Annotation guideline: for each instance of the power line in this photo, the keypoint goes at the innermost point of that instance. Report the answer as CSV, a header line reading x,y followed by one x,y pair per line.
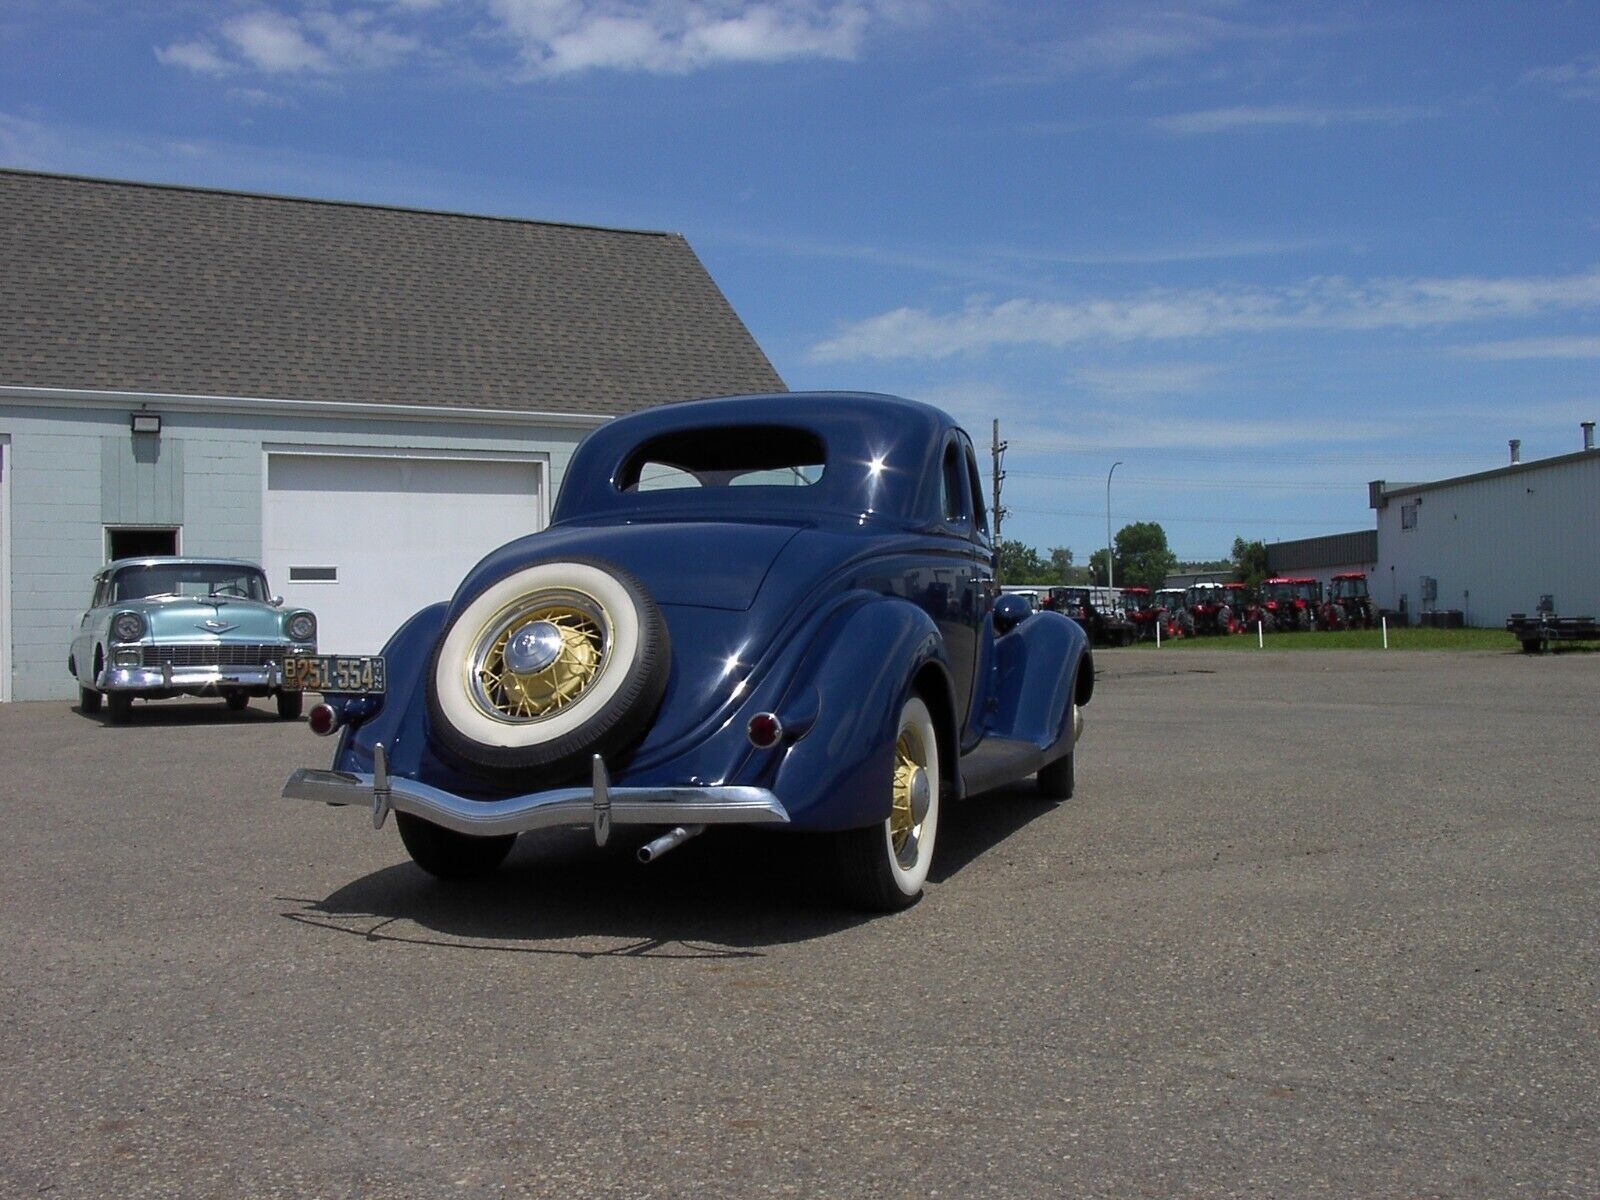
x,y
1273,484
1253,519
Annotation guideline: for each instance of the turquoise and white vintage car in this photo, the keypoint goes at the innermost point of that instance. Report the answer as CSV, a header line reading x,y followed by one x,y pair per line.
x,y
162,627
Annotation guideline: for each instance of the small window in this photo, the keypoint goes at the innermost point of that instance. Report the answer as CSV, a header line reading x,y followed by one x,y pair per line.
x,y
952,485
980,517
1408,516
313,574
738,456
140,543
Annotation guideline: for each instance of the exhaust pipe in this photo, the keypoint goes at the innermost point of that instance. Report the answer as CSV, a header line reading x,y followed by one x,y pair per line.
x,y
670,840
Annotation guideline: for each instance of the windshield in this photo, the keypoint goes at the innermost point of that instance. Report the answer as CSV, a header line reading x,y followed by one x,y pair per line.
x,y
1349,589
189,579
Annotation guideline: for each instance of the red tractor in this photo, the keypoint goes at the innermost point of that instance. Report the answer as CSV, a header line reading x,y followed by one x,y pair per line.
x,y
1349,606
1290,604
1175,619
1207,604
1139,609
1238,609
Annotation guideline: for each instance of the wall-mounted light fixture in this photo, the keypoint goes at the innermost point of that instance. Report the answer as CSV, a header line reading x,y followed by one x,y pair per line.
x,y
146,422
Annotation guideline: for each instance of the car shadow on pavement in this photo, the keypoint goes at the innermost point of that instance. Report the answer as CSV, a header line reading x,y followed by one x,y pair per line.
x,y
170,713
726,894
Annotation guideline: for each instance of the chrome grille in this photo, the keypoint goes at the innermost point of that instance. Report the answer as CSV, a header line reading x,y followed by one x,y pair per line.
x,y
215,654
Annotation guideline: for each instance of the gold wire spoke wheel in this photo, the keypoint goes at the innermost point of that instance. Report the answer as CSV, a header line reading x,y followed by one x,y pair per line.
x,y
538,657
901,822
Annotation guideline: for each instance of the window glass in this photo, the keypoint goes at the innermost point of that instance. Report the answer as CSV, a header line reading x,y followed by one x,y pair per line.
x,y
221,580
980,517
952,483
741,456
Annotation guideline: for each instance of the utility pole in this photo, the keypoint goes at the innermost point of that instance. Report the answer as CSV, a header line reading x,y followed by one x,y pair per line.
x,y
1111,551
998,451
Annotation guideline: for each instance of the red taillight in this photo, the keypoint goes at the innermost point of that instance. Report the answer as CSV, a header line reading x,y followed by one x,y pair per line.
x,y
1083,614
323,720
764,731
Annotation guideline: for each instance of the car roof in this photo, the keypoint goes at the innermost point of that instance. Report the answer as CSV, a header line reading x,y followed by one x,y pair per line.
x,y
189,560
882,454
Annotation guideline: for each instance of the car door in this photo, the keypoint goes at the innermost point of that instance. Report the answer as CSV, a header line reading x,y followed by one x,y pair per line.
x,y
974,638
83,640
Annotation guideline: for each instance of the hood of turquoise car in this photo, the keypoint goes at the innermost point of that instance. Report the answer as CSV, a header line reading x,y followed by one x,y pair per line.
x,y
228,619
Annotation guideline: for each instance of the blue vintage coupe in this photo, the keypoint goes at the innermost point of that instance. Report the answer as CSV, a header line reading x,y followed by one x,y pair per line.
x,y
774,611
160,627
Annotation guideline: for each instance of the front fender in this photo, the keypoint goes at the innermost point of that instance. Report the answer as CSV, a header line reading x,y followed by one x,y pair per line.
x,y
837,776
1041,664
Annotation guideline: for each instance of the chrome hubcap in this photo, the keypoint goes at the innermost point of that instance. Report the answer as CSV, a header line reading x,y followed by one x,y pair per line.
x,y
533,648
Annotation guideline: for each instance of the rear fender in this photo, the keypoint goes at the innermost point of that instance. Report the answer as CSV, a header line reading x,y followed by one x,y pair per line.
x,y
837,775
398,721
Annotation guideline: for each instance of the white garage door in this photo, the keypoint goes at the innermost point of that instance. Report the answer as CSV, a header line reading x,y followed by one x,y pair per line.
x,y
365,541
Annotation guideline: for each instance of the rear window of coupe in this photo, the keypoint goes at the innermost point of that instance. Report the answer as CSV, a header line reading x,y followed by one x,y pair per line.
x,y
733,456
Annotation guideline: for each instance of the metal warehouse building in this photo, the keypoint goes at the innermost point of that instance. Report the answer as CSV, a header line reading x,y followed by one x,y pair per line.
x,y
1324,557
1493,543
365,399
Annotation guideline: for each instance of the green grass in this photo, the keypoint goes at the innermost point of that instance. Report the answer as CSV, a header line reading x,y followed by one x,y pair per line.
x,y
1368,639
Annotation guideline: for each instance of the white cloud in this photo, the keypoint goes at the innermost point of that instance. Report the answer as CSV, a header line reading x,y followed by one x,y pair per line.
x,y
1326,303
559,37
1529,348
272,42
1122,36
316,41
1226,120
198,55
1578,80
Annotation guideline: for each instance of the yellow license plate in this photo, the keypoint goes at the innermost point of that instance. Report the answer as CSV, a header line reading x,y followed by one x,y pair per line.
x,y
358,674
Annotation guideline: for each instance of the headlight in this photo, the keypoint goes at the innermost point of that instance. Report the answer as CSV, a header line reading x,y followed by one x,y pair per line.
x,y
127,627
302,627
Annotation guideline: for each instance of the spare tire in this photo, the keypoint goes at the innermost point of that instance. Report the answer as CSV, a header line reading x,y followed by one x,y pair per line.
x,y
548,666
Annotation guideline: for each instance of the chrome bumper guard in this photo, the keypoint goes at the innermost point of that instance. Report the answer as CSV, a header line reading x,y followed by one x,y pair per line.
x,y
599,805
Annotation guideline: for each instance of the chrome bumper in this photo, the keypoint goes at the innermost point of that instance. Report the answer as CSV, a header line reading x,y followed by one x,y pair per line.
x,y
598,805
143,679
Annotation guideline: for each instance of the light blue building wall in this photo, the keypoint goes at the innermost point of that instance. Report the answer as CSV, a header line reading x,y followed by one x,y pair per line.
x,y
72,467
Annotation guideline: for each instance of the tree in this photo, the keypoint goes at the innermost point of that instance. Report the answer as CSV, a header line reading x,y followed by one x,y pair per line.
x,y
1249,562
1060,564
1097,567
1143,556
1020,563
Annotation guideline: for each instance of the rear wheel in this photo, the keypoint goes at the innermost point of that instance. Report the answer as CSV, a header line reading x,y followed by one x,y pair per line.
x,y
446,854
884,866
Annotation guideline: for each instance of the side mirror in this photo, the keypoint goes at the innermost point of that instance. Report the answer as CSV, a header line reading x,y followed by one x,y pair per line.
x,y
1009,611
277,602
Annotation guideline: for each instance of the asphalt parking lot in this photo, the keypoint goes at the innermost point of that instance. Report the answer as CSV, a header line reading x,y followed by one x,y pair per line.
x,y
1316,924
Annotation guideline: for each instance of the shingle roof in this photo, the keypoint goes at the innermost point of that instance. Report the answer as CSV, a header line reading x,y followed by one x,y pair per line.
x,y
137,287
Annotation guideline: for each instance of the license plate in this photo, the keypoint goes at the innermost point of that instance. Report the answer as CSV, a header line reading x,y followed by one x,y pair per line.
x,y
348,673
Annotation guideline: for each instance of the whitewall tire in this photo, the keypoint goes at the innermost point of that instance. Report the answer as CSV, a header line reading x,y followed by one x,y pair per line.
x,y
547,666
885,866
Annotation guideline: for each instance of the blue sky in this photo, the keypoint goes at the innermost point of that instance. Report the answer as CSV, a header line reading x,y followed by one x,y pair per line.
x,y
1259,253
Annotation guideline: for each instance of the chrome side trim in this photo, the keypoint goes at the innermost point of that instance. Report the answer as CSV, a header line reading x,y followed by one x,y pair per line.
x,y
728,805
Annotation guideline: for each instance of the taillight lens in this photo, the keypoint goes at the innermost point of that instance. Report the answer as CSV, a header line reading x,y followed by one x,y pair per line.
x,y
323,720
764,731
